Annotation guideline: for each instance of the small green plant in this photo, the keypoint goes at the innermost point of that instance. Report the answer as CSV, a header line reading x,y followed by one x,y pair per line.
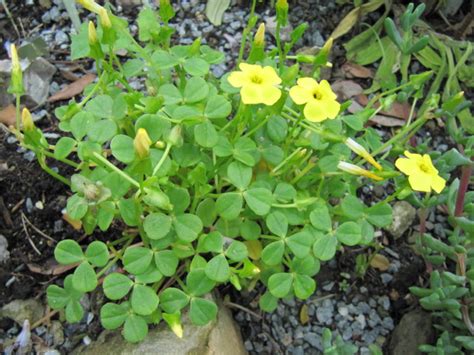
x,y
244,179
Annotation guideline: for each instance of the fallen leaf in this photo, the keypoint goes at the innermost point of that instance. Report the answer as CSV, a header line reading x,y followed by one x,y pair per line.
x,y
345,89
398,109
8,115
380,262
73,89
50,267
353,17
69,75
77,225
387,121
254,248
304,315
353,70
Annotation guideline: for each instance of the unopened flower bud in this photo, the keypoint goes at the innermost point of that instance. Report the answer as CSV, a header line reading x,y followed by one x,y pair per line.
x,y
174,322
16,83
175,136
142,143
104,18
160,145
26,120
281,7
92,33
360,151
259,38
327,46
90,5
356,170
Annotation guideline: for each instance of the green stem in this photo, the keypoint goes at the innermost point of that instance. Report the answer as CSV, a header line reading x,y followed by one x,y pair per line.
x,y
116,258
17,116
281,55
162,160
288,158
105,162
246,33
51,172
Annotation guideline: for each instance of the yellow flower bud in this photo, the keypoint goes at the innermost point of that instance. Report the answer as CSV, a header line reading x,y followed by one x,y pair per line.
x,y
259,38
27,121
142,143
104,18
327,46
90,5
92,33
356,170
174,322
360,151
16,84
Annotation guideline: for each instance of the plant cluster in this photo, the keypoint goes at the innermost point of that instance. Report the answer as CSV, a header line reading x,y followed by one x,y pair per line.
x,y
250,178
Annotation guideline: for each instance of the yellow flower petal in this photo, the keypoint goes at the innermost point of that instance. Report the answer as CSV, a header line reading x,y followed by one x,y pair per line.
x,y
300,95
270,94
251,94
238,79
249,67
308,84
270,76
326,90
407,166
429,164
332,108
314,112
420,182
438,183
412,155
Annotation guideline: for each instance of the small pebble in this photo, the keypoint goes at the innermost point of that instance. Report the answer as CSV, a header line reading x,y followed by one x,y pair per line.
x,y
86,340
386,278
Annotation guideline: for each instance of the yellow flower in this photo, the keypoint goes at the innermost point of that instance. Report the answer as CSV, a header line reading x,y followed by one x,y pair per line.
x,y
319,99
362,152
422,175
356,170
257,83
142,143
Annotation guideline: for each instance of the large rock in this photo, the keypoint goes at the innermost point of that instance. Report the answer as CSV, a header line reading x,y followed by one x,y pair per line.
x,y
414,329
219,337
403,216
21,310
36,79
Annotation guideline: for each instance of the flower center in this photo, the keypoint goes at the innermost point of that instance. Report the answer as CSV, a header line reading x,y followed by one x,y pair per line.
x,y
317,95
256,79
425,168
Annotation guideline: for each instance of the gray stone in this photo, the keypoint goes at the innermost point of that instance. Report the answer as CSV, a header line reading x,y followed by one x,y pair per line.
x,y
209,339
4,253
363,307
61,37
314,340
21,310
414,329
325,312
386,278
403,216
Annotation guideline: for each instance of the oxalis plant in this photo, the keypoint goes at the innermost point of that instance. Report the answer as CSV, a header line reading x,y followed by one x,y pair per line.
x,y
250,178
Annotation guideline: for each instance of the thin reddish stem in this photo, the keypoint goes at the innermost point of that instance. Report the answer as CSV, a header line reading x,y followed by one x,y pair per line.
x,y
463,186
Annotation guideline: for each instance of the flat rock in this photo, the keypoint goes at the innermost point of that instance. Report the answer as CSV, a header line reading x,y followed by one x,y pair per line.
x,y
20,310
414,329
219,337
36,79
403,216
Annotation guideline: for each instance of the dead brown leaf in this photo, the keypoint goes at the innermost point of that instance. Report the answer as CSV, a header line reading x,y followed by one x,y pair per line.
x,y
77,225
73,89
8,115
353,70
304,315
380,262
387,121
398,109
345,89
50,267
